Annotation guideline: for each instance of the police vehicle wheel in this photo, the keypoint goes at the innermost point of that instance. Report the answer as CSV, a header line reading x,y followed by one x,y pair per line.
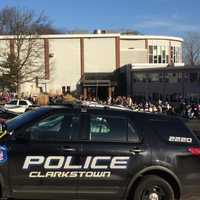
x,y
153,188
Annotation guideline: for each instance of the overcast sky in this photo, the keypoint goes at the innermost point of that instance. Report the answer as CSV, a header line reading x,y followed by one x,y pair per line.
x,y
160,17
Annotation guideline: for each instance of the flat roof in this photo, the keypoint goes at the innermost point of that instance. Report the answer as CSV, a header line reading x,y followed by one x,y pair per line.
x,y
107,35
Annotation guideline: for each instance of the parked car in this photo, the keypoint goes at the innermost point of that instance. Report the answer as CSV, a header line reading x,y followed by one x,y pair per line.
x,y
32,107
5,115
18,105
98,152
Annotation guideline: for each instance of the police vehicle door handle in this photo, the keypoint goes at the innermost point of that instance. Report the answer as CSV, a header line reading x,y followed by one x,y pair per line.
x,y
68,149
135,151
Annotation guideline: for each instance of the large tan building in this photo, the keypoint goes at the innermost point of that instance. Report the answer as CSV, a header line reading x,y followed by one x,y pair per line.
x,y
67,58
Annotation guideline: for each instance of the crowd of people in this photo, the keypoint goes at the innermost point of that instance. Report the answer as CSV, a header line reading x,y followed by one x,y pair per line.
x,y
180,108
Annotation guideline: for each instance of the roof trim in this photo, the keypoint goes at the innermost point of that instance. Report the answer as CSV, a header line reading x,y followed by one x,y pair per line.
x,y
180,68
154,66
65,36
153,37
112,35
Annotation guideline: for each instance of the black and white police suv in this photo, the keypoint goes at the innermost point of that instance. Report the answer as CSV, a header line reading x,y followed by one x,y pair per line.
x,y
97,152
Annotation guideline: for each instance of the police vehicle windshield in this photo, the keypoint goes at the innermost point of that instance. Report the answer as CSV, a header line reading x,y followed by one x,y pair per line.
x,y
25,118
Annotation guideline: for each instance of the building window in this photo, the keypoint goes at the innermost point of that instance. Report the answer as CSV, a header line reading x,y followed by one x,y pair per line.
x,y
158,54
155,77
150,49
173,78
193,77
150,58
175,54
140,77
146,77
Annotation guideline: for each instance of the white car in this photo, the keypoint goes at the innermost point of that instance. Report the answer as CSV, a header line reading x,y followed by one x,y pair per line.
x,y
18,105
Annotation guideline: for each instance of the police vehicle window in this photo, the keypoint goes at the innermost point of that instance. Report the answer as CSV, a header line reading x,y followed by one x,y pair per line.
x,y
57,127
132,134
14,102
22,103
108,129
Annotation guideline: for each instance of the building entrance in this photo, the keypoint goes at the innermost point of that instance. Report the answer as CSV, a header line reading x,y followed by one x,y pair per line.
x,y
98,86
97,93
98,90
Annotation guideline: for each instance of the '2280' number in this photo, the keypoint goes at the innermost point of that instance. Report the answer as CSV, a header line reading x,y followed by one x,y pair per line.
x,y
180,139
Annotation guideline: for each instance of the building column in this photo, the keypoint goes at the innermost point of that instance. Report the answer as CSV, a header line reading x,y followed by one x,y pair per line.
x,y
85,93
117,52
46,59
109,91
147,48
82,56
170,58
12,47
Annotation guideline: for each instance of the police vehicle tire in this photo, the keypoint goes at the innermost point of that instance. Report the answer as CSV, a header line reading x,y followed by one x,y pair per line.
x,y
153,187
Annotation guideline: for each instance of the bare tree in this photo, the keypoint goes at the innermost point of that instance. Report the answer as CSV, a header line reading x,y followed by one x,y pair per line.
x,y
15,20
192,49
25,60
